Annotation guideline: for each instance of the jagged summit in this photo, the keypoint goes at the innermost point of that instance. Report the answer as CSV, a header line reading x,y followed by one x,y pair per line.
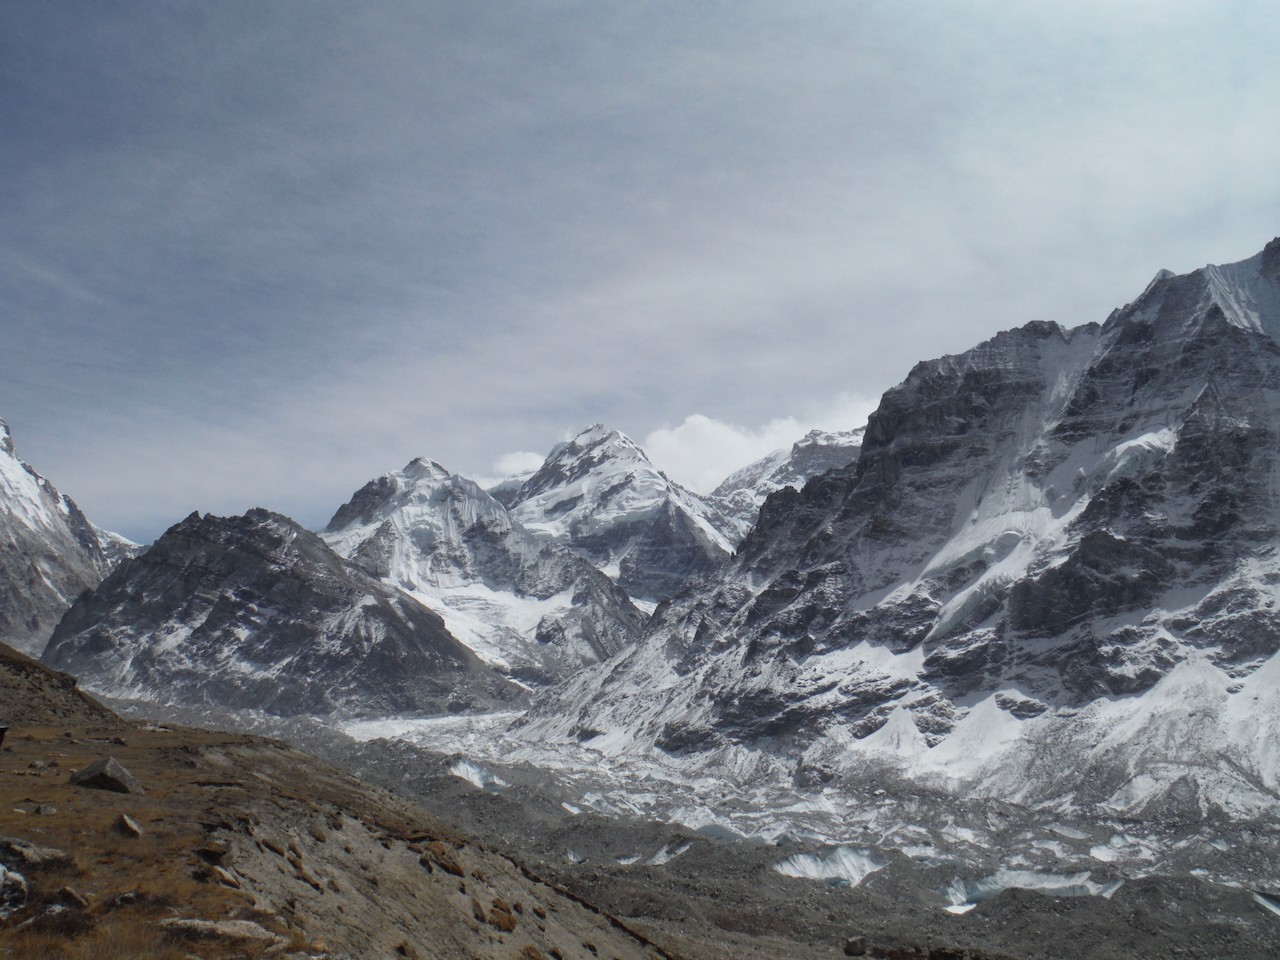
x,y
532,608
1245,294
740,495
420,487
578,466
599,493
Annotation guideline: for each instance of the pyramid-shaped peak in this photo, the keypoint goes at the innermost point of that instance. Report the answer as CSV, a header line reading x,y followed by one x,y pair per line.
x,y
598,435
596,444
422,468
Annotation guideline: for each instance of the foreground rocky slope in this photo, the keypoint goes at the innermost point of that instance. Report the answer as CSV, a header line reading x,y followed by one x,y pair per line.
x,y
239,847
533,609
255,612
49,552
1049,577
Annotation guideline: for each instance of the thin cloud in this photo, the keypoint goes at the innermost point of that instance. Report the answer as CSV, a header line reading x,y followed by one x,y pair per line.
x,y
324,238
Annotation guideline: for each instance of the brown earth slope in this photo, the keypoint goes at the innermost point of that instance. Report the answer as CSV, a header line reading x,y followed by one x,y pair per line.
x,y
272,853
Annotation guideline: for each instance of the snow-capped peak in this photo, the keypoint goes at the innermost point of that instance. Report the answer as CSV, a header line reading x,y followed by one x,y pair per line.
x,y
740,495
600,493
420,468
597,449
1246,293
49,551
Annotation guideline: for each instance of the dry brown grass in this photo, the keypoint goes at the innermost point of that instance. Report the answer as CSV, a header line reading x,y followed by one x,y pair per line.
x,y
130,882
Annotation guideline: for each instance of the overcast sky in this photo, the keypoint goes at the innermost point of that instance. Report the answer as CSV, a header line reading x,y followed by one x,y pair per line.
x,y
257,253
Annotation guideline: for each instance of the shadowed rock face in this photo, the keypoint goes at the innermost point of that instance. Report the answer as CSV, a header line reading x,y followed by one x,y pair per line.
x,y
49,552
739,497
1061,514
256,612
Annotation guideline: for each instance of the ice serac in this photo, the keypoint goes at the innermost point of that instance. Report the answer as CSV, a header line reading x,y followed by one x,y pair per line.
x,y
254,612
1054,536
533,609
49,552
739,497
600,494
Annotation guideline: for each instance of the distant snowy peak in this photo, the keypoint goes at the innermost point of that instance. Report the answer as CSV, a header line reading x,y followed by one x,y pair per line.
x,y
740,496
590,482
506,489
600,493
49,551
532,608
423,494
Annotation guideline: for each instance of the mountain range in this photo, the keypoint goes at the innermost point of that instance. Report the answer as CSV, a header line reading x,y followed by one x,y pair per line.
x,y
1026,618
1049,576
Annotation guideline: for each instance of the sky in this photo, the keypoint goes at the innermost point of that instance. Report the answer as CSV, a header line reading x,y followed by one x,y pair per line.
x,y
257,252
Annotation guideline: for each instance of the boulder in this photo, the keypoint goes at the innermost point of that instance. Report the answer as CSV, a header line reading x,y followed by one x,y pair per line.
x,y
13,892
127,826
107,774
15,853
182,928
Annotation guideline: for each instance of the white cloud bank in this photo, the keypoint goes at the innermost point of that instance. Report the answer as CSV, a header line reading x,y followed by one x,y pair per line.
x,y
702,451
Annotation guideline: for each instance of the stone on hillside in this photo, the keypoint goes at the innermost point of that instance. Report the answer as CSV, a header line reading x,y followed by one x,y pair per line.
x,y
15,852
73,898
127,826
13,891
107,774
245,930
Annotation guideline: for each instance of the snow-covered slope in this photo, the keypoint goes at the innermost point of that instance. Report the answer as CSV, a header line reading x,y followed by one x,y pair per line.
x,y
600,494
1050,578
739,497
532,608
255,612
49,552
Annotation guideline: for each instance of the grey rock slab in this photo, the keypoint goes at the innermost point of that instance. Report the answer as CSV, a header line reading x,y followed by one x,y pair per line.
x,y
108,774
195,929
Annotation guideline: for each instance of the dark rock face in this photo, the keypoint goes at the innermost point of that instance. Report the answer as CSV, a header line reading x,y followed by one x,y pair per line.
x,y
1059,515
107,774
49,552
256,612
599,494
739,497
460,551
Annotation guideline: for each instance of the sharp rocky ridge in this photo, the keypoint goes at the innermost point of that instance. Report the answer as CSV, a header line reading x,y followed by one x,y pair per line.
x,y
600,494
1049,577
532,608
49,552
256,613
